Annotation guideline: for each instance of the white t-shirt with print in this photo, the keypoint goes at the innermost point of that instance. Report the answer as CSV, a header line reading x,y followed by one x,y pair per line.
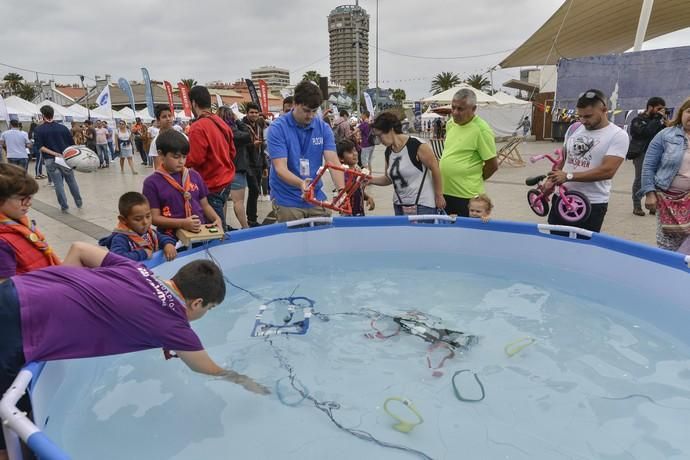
x,y
586,150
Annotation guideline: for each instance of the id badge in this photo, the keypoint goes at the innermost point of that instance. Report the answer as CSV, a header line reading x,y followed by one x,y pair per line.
x,y
304,167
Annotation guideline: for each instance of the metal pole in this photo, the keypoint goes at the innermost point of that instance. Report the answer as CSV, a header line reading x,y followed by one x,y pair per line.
x,y
376,105
356,26
642,24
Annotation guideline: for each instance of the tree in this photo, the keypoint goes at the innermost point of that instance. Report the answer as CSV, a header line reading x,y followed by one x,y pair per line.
x,y
351,87
478,81
189,82
399,95
444,81
312,75
13,81
26,91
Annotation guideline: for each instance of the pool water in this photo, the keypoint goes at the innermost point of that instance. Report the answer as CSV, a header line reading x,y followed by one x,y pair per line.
x,y
596,383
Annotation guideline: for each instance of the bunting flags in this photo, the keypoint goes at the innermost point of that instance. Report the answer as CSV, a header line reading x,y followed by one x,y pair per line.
x,y
263,90
149,91
184,95
127,89
103,99
169,92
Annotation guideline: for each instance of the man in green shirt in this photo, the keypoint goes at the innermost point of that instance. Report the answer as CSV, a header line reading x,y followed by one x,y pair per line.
x,y
469,154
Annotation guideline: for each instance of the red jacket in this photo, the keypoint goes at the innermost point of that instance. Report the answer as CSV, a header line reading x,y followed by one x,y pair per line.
x,y
212,151
28,257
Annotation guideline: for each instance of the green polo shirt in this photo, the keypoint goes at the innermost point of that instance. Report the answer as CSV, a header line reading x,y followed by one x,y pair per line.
x,y
466,149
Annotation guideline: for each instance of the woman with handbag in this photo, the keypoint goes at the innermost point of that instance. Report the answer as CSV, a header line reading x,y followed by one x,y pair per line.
x,y
666,180
123,143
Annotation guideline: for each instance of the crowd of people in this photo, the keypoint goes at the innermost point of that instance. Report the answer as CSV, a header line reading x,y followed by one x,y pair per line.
x,y
200,168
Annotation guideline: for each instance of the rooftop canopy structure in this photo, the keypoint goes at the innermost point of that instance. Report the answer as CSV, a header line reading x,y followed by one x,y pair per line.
x,y
593,27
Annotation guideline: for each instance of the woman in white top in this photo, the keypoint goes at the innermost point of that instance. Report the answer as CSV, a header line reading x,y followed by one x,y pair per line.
x,y
123,145
411,167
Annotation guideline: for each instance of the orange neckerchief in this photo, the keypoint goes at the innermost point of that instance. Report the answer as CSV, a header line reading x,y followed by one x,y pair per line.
x,y
184,190
148,241
28,229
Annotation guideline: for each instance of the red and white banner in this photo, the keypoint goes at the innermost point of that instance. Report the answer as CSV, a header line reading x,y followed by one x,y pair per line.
x,y
184,95
168,90
263,92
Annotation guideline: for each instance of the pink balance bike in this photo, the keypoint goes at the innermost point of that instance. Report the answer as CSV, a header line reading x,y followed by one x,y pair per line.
x,y
572,206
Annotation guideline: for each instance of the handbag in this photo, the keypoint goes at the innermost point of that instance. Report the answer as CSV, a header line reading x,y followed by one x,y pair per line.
x,y
673,210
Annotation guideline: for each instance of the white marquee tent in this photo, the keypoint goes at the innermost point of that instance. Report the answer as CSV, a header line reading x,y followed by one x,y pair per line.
x,y
501,111
23,110
62,114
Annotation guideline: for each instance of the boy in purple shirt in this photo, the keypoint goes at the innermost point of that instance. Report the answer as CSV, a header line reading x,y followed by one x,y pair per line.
x,y
177,195
98,303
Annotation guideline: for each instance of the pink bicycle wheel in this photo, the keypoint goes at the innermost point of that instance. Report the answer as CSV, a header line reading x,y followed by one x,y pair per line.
x,y
579,207
537,202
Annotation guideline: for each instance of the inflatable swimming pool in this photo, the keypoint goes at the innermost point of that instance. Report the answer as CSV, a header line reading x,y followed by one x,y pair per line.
x,y
402,338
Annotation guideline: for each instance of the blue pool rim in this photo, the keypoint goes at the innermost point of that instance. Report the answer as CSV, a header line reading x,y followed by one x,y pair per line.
x,y
42,446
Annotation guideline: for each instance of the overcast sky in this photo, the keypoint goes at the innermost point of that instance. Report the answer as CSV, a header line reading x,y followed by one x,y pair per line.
x,y
222,39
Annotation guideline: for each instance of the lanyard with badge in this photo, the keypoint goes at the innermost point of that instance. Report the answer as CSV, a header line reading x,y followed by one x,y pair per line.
x,y
304,170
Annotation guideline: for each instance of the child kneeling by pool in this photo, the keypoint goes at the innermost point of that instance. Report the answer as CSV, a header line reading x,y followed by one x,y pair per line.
x,y
99,303
133,236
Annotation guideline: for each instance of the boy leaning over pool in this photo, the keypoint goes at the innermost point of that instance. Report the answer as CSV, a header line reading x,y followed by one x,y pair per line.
x,y
99,303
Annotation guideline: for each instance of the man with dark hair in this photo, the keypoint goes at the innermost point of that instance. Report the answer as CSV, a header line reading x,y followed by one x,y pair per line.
x,y
16,142
165,119
257,161
298,144
342,129
211,151
288,102
51,140
138,130
643,128
592,154
90,136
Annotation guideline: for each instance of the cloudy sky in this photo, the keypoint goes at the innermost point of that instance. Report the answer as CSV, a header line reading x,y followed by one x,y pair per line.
x,y
222,39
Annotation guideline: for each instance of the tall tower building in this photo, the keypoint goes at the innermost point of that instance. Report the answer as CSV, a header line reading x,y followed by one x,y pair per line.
x,y
347,25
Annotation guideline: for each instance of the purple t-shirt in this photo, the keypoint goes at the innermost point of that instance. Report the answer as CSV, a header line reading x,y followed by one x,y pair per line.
x,y
365,130
8,261
169,200
120,307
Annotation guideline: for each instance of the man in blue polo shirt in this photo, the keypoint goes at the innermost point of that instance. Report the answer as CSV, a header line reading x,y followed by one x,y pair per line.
x,y
298,143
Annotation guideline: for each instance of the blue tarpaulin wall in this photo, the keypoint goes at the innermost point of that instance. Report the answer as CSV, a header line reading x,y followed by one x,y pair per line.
x,y
628,79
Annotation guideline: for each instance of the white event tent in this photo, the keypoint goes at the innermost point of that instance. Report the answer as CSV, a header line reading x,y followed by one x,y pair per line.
x,y
23,110
501,111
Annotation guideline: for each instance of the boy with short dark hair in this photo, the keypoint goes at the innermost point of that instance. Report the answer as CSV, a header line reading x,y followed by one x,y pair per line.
x,y
165,119
176,194
347,153
133,237
99,303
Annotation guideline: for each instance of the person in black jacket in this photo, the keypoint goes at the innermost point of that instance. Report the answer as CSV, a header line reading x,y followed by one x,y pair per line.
x,y
258,162
643,128
242,137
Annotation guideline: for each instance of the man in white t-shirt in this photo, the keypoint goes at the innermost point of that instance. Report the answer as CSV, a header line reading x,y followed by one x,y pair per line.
x,y
593,153
16,142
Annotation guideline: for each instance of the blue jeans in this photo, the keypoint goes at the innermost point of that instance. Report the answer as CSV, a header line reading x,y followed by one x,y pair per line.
x,y
103,154
21,162
58,175
111,147
217,201
421,210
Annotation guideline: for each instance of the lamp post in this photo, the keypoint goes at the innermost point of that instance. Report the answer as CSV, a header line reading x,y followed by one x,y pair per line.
x,y
376,105
88,109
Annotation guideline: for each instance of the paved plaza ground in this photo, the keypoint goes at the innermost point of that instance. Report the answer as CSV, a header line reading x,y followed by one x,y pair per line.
x,y
101,190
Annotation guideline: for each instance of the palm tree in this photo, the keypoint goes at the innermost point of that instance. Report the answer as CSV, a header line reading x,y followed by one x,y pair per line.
x,y
312,75
478,81
444,81
351,87
189,82
13,81
26,91
399,95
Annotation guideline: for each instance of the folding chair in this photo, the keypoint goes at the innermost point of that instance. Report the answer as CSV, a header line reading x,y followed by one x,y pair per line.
x,y
510,153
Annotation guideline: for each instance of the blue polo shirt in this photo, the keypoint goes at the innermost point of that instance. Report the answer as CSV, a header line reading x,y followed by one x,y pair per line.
x,y
287,139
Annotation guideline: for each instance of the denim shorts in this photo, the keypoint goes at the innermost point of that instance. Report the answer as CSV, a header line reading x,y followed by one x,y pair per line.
x,y
239,182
